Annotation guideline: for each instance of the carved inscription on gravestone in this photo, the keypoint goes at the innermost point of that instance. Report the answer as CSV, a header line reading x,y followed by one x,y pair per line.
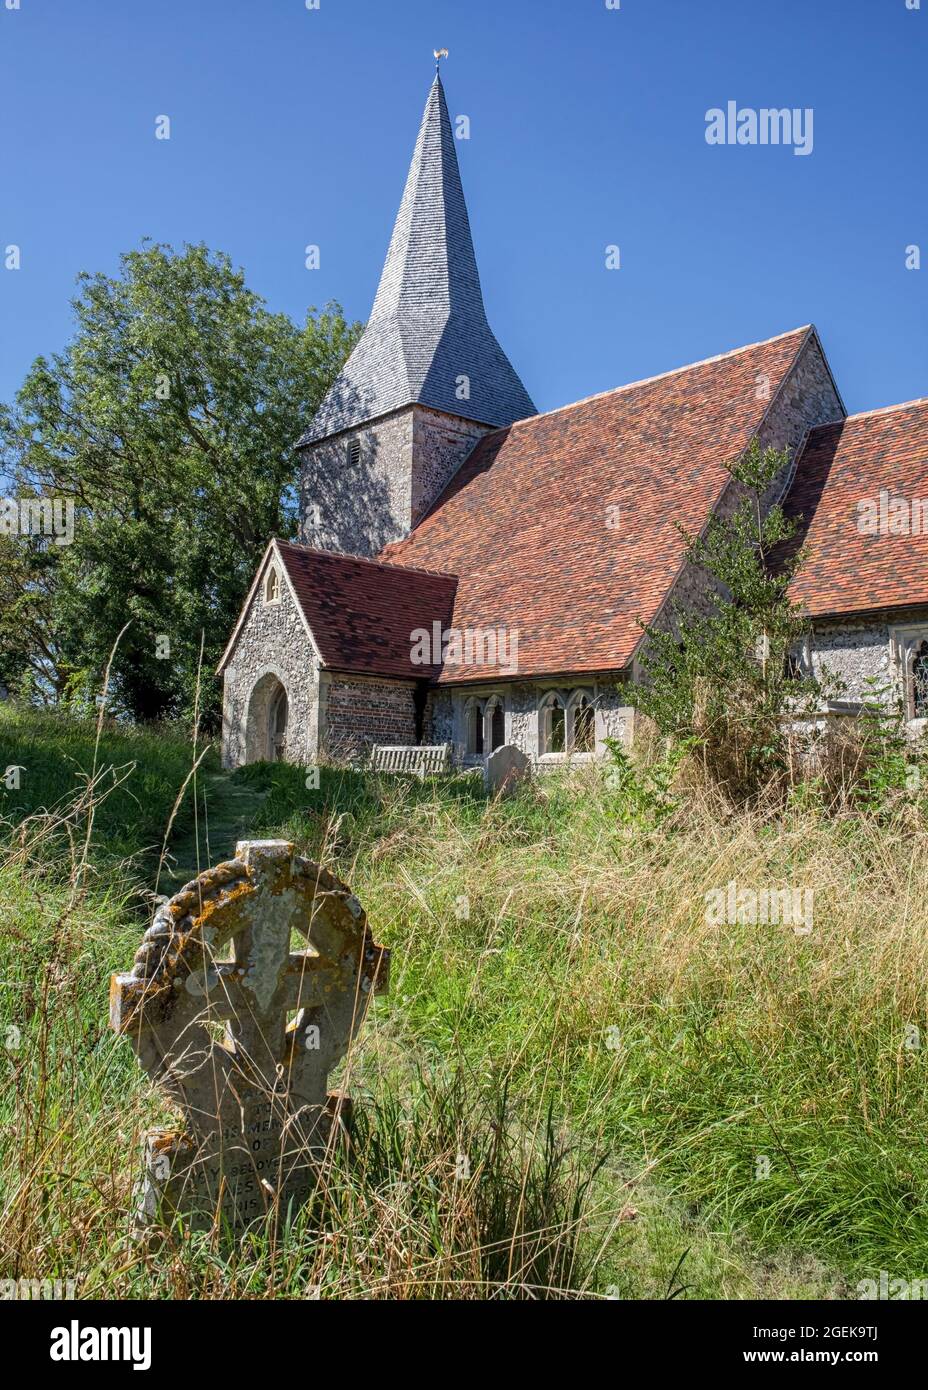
x,y
241,1033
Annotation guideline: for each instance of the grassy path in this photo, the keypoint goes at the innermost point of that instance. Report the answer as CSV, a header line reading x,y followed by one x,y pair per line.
x,y
226,811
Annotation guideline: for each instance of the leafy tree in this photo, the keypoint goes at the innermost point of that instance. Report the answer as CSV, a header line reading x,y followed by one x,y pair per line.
x,y
725,675
170,420
31,656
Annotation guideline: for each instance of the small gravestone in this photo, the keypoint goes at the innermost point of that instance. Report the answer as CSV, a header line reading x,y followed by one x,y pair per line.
x,y
241,1033
506,767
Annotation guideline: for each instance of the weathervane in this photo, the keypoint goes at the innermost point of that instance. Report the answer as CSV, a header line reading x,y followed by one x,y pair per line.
x,y
439,54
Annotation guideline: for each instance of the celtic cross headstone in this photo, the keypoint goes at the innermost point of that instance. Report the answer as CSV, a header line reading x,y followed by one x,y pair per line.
x,y
241,1032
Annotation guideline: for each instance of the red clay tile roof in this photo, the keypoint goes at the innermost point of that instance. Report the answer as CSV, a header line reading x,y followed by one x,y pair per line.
x,y
362,613
524,521
841,466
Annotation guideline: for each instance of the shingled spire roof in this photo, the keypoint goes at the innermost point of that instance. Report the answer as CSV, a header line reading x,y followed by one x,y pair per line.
x,y
428,326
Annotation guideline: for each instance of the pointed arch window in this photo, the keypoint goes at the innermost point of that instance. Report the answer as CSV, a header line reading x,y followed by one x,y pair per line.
x,y
552,726
910,660
582,723
918,680
484,725
272,586
473,728
567,724
494,724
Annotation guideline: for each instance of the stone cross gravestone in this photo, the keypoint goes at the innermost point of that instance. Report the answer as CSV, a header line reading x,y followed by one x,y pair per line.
x,y
505,768
241,1033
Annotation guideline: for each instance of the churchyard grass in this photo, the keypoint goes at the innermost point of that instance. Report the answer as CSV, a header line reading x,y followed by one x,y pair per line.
x,y
580,1082
137,775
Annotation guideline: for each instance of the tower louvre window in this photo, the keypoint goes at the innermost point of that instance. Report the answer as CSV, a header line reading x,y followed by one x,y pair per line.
x,y
354,452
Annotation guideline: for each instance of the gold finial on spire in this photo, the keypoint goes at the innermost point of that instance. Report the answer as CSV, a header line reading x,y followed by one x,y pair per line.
x,y
439,54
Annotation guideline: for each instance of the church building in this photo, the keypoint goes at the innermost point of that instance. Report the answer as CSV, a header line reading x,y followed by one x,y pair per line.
x,y
474,573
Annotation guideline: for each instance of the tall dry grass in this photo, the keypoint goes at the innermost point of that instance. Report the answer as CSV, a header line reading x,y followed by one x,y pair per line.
x,y
578,1086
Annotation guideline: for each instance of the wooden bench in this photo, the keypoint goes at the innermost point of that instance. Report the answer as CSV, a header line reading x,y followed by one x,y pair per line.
x,y
428,761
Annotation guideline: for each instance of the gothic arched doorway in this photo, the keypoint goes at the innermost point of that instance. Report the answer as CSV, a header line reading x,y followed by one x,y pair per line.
x,y
266,723
277,727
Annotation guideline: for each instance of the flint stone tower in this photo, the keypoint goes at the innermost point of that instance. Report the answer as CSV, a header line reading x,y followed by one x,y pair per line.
x,y
427,378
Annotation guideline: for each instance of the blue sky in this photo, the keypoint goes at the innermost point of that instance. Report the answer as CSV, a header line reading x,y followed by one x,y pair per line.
x,y
293,126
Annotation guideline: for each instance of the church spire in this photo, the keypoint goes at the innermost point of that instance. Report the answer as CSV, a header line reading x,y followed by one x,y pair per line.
x,y
428,341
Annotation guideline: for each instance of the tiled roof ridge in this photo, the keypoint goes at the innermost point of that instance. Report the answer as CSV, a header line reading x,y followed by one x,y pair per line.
x,y
362,559
659,376
870,414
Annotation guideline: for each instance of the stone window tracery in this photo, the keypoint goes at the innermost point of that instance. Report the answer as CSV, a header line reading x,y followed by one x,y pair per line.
x,y
567,724
473,725
494,724
581,728
918,680
552,724
910,668
484,725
